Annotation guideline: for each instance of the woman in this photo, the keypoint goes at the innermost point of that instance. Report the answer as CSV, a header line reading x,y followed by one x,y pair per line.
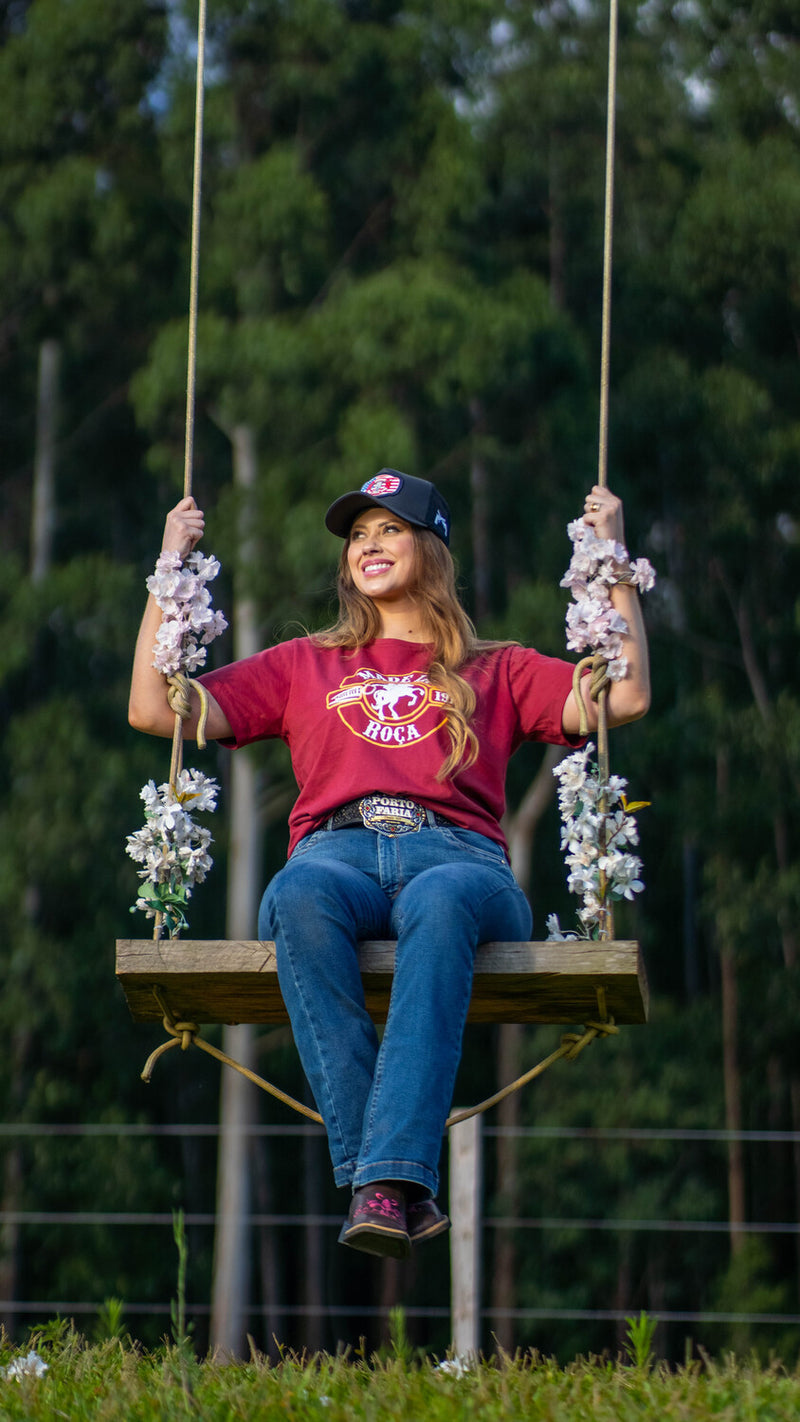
x,y
400,724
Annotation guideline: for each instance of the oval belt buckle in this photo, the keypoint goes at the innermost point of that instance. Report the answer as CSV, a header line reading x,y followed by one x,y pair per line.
x,y
391,816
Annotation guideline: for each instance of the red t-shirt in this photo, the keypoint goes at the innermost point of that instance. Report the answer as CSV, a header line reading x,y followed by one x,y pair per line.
x,y
365,722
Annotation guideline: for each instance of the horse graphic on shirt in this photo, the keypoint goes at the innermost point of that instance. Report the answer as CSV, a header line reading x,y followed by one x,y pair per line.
x,y
392,711
383,699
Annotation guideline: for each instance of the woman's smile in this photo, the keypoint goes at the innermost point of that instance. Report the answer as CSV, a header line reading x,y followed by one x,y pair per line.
x,y
381,555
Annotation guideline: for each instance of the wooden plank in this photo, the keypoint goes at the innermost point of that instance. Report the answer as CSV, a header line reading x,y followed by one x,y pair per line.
x,y
217,981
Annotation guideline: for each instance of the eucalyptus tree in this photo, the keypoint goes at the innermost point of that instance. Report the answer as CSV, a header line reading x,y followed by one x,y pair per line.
x,y
76,195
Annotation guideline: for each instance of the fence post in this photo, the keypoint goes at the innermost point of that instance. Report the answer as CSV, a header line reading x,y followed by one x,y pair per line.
x,y
466,1184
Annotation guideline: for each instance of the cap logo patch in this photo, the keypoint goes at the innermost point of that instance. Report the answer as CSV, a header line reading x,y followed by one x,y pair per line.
x,y
381,485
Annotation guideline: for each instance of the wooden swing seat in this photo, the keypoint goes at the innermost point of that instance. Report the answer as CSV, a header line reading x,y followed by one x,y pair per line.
x,y
233,982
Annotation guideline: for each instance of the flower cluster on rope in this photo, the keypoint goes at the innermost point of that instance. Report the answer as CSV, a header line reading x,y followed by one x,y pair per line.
x,y
598,824
592,620
188,621
598,828
172,849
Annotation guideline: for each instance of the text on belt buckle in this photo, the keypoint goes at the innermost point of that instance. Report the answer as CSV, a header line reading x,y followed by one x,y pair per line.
x,y
390,816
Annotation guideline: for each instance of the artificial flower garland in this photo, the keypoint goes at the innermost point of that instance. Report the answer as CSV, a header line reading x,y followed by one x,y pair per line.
x,y
172,849
597,819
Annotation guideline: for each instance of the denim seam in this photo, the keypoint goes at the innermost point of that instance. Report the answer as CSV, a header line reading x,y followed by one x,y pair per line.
x,y
330,1114
459,1034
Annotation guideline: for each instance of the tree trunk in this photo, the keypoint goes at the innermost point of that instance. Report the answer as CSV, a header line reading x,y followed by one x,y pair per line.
x,y
479,487
233,1249
44,477
730,1052
558,246
41,553
733,1098
788,934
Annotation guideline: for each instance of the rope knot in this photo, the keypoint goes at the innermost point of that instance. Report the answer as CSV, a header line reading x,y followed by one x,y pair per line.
x,y
183,1032
179,696
599,680
603,1029
574,1042
178,688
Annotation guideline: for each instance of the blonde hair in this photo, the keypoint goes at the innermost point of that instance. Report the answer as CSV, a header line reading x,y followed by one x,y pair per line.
x,y
455,641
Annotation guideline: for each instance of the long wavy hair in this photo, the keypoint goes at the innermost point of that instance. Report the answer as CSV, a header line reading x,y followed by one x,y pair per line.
x,y
455,641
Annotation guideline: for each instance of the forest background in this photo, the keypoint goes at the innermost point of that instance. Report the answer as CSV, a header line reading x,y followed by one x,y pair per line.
x,y
401,264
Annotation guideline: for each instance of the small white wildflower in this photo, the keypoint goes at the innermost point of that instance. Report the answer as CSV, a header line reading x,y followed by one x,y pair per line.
x,y
31,1366
456,1367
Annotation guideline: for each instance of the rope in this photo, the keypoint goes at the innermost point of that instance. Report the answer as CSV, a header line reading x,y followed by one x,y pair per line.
x,y
194,266
603,761
180,700
176,758
608,242
598,682
572,1044
184,1034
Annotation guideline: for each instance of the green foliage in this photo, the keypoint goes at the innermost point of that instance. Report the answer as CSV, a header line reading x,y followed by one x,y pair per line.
x,y
640,1334
109,1320
112,1381
400,264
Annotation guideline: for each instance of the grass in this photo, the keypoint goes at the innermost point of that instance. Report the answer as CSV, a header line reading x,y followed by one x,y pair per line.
x,y
116,1380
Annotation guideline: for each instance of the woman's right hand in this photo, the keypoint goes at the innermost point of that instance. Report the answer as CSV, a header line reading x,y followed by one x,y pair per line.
x,y
148,709
183,528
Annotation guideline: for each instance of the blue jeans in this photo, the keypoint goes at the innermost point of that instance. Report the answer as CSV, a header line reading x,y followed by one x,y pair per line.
x,y
440,892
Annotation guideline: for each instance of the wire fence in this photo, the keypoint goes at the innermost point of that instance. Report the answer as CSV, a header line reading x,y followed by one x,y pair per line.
x,y
305,1220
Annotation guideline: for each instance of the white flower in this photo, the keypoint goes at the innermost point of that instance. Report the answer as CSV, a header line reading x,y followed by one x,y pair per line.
x,y
554,932
179,588
596,828
31,1366
171,848
643,574
592,620
456,1367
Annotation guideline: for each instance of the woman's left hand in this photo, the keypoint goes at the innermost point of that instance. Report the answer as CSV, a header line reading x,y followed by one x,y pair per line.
x,y
629,698
602,511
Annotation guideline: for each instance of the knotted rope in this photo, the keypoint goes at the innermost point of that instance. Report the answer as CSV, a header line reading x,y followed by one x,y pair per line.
x,y
184,1034
599,681
572,1044
178,694
603,761
179,687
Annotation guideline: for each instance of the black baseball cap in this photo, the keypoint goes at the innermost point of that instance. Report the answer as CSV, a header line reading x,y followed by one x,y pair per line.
x,y
415,500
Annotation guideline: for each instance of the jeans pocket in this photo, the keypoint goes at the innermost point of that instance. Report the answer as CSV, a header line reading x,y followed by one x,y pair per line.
x,y
303,845
477,846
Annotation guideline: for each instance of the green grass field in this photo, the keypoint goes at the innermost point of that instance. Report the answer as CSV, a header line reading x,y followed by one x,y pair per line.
x,y
115,1380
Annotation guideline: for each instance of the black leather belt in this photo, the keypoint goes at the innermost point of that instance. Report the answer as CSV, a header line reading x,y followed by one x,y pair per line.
x,y
387,814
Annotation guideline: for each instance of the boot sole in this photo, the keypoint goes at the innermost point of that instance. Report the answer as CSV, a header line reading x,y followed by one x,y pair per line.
x,y
420,1236
384,1244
